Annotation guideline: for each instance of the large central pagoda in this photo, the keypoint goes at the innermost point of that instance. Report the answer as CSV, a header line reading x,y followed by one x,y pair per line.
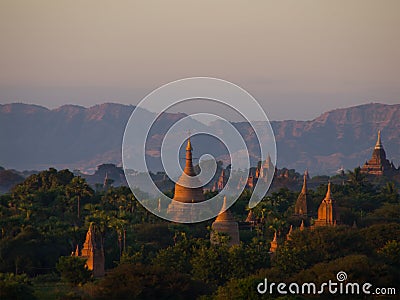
x,y
183,193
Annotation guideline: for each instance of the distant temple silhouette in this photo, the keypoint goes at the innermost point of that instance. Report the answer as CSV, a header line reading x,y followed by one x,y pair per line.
x,y
221,182
378,164
265,170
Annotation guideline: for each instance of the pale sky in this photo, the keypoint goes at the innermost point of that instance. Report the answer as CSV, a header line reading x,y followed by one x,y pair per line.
x,y
298,58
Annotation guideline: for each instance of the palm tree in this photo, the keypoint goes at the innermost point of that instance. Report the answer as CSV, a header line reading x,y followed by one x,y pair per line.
x,y
78,188
357,178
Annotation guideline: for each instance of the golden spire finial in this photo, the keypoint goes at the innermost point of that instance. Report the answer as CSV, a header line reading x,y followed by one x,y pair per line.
x,y
159,205
302,225
189,144
76,253
268,160
288,236
378,141
224,214
223,205
328,192
189,163
274,244
304,189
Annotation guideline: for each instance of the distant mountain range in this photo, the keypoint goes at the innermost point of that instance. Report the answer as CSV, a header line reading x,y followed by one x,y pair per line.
x,y
75,137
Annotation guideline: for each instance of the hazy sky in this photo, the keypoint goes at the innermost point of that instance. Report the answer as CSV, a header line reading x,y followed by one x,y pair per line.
x,y
298,58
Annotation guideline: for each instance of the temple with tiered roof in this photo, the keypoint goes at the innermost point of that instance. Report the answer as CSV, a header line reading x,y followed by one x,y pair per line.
x,y
378,164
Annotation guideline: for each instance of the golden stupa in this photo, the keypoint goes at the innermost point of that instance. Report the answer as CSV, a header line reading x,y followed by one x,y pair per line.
x,y
184,194
225,223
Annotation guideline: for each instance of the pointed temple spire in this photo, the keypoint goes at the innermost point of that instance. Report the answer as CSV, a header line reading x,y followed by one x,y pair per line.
x,y
224,206
327,212
266,168
378,144
224,214
302,227
328,196
159,205
88,245
268,161
288,236
189,170
250,217
225,223
300,208
76,253
304,188
379,165
274,244
93,252
183,192
106,180
221,182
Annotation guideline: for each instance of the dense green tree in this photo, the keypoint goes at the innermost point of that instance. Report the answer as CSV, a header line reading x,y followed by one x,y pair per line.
x,y
388,212
211,264
78,189
128,281
23,253
307,248
391,253
178,257
246,288
390,193
246,259
359,268
73,269
357,179
376,236
238,289
15,287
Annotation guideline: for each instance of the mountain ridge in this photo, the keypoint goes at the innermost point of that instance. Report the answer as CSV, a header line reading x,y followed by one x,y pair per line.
x,y
77,137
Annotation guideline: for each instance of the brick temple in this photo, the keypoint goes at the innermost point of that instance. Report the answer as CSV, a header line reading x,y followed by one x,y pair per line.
x,y
378,164
184,194
225,224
